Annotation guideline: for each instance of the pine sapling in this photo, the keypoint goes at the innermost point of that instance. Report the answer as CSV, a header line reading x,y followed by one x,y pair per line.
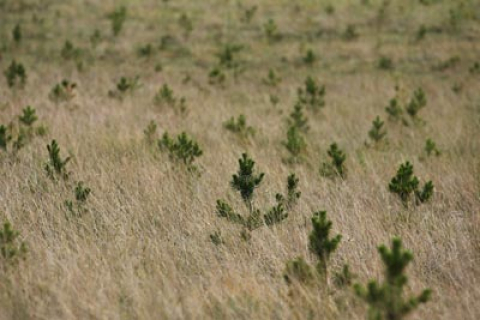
x,y
310,58
292,196
406,185
298,119
55,165
377,132
394,110
298,270
165,96
312,96
336,167
239,126
117,18
28,117
271,31
295,144
11,249
150,132
272,79
5,137
431,148
418,102
16,75
183,149
344,278
320,242
246,181
386,300
63,91
17,34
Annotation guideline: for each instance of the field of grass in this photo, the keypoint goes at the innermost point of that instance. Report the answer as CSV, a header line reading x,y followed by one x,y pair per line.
x,y
139,245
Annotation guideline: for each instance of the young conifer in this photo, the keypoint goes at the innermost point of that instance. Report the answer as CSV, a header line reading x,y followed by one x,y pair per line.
x,y
405,184
386,300
377,132
55,165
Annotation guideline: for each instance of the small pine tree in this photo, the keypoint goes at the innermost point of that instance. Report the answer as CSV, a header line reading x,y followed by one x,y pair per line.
x,y
271,31
17,33
11,249
239,126
386,300
377,132
275,215
431,148
298,270
344,278
16,75
272,79
81,192
310,58
394,110
186,24
418,102
183,149
350,32
295,144
336,167
227,55
63,91
313,96
55,165
165,96
320,242
150,132
405,184
117,18
298,119
28,117
224,210
5,137
246,181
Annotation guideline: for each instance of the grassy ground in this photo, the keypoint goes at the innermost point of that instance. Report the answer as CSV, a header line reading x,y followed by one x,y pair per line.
x,y
141,248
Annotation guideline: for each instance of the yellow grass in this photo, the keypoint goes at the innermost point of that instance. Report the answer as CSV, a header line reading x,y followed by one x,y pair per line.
x,y
142,248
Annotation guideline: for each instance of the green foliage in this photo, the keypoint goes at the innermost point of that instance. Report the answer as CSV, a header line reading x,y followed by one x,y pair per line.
x,y
16,75
146,50
421,33
336,167
124,86
227,55
95,38
55,165
418,102
295,144
271,31
183,149
405,184
313,96
386,300
186,24
150,132
272,79
166,97
11,248
385,63
224,210
216,77
350,32
28,117
81,192
377,132
475,68
239,126
394,110
63,91
431,148
344,278
320,242
17,33
448,64
309,58
117,18
275,215
216,238
298,270
70,52
246,181
249,13
292,196
298,119
5,137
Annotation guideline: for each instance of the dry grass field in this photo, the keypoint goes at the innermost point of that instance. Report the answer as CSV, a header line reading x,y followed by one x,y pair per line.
x,y
140,247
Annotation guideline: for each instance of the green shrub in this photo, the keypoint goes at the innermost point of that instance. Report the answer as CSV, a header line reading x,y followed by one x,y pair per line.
x,y
336,167
405,184
16,75
246,181
28,117
186,24
344,278
17,33
418,102
421,33
216,238
70,52
166,97
183,149
227,55
298,270
5,137
117,18
385,63
249,13
313,96
431,148
298,119
271,31
216,77
124,86
239,126
63,91
350,32
292,196
55,165
475,68
150,132
309,58
145,51
394,110
11,248
377,132
386,300
295,144
272,79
